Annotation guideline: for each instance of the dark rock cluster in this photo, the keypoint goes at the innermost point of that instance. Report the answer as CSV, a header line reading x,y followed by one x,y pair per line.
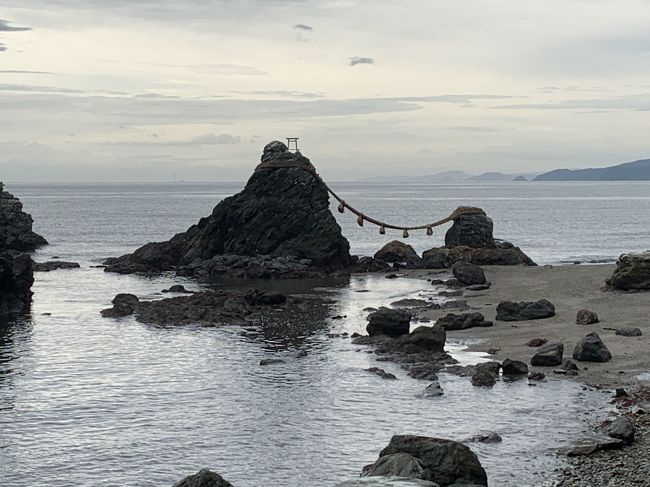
x,y
16,226
632,273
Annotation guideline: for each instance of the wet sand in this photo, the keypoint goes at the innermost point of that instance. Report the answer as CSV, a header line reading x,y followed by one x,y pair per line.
x,y
569,288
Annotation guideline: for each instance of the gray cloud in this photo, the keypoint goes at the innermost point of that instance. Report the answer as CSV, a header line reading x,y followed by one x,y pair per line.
x,y
637,102
303,27
18,71
361,60
37,89
207,139
5,27
282,93
2,47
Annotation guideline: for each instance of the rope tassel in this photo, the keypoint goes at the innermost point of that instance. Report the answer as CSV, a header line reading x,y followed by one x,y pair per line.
x,y
342,207
382,230
406,234
429,231
360,220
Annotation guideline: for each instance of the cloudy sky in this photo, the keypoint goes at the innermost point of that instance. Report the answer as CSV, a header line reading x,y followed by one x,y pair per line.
x,y
137,91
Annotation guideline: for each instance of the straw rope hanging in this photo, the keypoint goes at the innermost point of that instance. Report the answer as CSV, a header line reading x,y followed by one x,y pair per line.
x,y
361,217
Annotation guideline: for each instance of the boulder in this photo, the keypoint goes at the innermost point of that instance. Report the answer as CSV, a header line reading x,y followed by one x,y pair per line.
x,y
397,251
514,367
389,482
123,305
536,342
489,437
396,465
586,317
463,321
591,349
524,310
381,373
205,478
433,390
444,462
16,226
177,288
485,374
390,322
548,355
629,331
436,258
471,230
536,376
468,274
16,279
281,218
632,273
54,265
622,428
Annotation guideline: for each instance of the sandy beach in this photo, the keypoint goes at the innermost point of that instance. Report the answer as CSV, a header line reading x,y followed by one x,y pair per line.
x,y
569,288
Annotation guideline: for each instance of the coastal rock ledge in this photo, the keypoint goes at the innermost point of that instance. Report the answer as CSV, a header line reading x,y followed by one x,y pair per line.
x,y
16,226
279,226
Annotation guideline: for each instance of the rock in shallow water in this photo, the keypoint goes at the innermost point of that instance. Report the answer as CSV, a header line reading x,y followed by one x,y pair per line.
x,y
205,478
389,322
397,251
54,265
16,226
463,321
16,279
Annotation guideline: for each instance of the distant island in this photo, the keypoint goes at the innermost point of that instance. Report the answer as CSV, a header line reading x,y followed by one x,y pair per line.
x,y
630,171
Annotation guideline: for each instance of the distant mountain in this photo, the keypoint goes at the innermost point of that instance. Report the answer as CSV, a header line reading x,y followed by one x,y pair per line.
x,y
630,171
520,178
493,177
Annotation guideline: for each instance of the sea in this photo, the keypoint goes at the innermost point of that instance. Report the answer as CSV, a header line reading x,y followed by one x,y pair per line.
x,y
89,401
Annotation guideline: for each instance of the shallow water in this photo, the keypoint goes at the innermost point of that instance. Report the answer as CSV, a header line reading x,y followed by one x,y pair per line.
x,y
98,402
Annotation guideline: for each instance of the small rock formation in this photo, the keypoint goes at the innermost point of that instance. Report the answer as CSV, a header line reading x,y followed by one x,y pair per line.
x,y
444,462
485,374
548,355
514,367
632,273
381,373
279,226
489,437
177,288
587,446
123,305
468,274
205,478
463,321
389,322
16,225
536,342
470,239
586,317
16,279
54,265
628,331
622,428
524,310
591,349
433,390
536,376
399,252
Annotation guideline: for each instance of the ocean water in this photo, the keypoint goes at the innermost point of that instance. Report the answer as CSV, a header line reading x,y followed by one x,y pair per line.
x,y
87,401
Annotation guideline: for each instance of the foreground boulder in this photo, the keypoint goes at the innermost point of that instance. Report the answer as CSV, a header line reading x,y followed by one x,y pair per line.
x,y
586,317
514,367
16,279
205,478
444,462
389,322
591,349
398,252
16,226
463,321
622,428
548,355
485,374
524,310
470,239
468,274
279,226
632,273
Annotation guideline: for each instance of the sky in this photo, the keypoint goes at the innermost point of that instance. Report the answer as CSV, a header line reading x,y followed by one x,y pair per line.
x,y
98,90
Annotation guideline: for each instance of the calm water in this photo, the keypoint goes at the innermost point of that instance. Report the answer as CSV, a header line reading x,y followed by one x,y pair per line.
x,y
86,401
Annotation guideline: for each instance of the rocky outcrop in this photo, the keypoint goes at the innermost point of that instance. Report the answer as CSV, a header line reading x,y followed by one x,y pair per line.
x,y
548,355
463,321
16,279
205,478
471,239
586,317
444,462
279,226
514,367
16,226
632,273
389,322
399,252
591,349
524,310
485,374
468,274
54,265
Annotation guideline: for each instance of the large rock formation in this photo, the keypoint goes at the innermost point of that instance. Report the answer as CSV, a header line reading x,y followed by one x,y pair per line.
x,y
632,273
279,226
16,225
205,478
16,279
470,239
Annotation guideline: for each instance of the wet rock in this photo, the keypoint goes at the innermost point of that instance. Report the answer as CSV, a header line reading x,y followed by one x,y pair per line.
x,y
426,371
514,367
453,293
177,288
485,374
368,264
389,482
436,258
424,339
16,232
629,331
391,276
591,349
123,305
255,297
410,303
622,428
390,322
272,361
433,390
503,253
471,230
16,279
588,446
548,355
586,317
396,465
381,373
536,342
444,462
54,265
524,310
463,321
478,287
489,437
536,376
283,212
205,478
397,251
632,273
468,274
